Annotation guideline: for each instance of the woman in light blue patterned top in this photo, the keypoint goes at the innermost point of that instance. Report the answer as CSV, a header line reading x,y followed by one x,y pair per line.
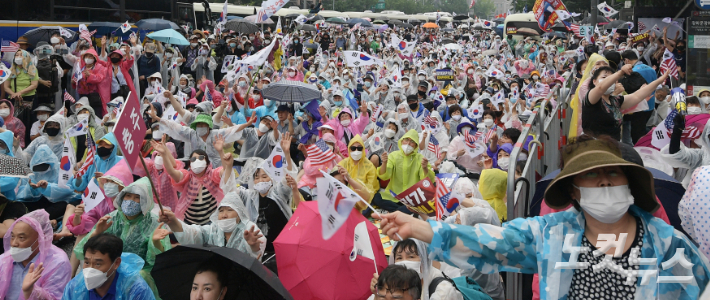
x,y
610,195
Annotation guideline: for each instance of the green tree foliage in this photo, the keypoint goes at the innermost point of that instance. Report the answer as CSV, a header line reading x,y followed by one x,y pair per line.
x,y
484,8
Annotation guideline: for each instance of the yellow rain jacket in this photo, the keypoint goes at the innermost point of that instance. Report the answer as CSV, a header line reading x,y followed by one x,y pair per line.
x,y
575,124
362,170
492,185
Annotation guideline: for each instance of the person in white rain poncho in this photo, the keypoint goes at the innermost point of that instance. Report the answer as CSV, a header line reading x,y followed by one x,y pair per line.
x,y
52,136
230,228
405,118
200,134
204,65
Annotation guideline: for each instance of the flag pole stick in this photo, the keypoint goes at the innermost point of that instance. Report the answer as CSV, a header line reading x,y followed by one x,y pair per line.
x,y
246,101
152,186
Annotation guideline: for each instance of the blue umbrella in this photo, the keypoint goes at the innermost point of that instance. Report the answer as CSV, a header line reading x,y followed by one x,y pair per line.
x,y
169,36
354,21
156,24
668,190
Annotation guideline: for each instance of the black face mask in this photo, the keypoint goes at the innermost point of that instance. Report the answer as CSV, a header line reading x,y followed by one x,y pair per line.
x,y
104,152
52,131
423,94
681,48
40,168
414,105
115,60
149,55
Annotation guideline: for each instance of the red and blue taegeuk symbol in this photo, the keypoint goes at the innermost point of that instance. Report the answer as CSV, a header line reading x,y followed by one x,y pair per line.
x,y
402,45
277,161
65,164
364,57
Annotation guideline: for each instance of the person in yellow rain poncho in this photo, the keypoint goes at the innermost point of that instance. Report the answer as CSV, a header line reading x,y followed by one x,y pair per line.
x,y
594,61
492,185
361,168
403,168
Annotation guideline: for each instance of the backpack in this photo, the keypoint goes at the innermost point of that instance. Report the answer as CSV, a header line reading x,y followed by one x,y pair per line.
x,y
633,82
47,70
469,289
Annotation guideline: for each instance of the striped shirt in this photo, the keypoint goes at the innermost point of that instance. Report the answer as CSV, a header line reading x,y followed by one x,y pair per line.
x,y
199,211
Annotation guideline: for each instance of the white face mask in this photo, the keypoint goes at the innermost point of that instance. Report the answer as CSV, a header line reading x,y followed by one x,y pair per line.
x,y
202,131
606,204
4,112
412,265
88,60
610,89
267,102
504,163
535,77
263,128
21,254
407,149
82,117
488,122
694,110
158,162
193,44
198,166
111,189
345,123
18,61
470,71
168,55
704,100
42,117
421,77
522,157
263,187
456,117
389,133
356,155
157,135
95,278
227,225
292,74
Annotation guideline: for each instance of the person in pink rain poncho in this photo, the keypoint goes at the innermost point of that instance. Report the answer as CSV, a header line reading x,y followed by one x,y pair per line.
x,y
161,179
31,267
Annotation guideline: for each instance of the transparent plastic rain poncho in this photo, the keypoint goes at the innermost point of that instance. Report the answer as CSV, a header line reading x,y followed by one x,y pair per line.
x,y
482,213
211,234
136,234
428,272
57,270
53,192
8,184
56,143
100,164
279,192
129,285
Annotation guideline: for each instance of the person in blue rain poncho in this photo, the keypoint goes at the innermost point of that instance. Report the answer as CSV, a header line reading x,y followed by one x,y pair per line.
x,y
43,181
7,184
609,196
106,157
52,136
268,109
120,270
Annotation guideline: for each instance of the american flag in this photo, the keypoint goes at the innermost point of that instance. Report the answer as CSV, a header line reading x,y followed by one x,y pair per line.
x,y
668,64
446,200
434,146
470,139
490,133
9,46
68,97
428,120
575,29
642,26
90,152
86,35
319,152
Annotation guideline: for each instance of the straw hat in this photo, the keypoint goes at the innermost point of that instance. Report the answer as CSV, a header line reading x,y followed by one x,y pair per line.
x,y
588,155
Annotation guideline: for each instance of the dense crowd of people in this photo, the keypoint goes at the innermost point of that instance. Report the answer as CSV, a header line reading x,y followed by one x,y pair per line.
x,y
384,126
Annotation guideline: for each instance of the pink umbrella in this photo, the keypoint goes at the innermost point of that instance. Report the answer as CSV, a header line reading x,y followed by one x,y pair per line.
x,y
691,121
313,268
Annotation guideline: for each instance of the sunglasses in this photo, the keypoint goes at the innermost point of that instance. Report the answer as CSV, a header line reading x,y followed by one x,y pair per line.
x,y
356,148
194,158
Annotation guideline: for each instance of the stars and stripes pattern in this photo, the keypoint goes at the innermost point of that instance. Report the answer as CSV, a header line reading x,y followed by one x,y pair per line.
x,y
68,97
470,139
668,64
642,26
446,200
575,29
433,146
86,35
90,152
428,120
9,46
319,152
490,133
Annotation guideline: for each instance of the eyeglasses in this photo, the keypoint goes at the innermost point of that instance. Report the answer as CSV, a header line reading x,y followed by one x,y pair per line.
x,y
356,148
396,293
194,158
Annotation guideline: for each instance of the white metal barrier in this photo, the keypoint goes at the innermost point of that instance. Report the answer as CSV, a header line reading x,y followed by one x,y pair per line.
x,y
550,134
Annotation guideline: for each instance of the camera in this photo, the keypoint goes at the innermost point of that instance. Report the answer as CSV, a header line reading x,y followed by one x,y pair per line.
x,y
61,51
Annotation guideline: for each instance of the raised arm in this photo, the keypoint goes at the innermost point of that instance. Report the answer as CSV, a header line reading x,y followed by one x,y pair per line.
x,y
175,174
643,93
596,93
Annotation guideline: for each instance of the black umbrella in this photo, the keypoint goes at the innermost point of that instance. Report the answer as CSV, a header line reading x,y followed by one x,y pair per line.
x,y
44,33
13,167
306,27
618,24
447,41
447,30
156,24
310,45
415,21
553,34
241,26
175,270
600,19
291,91
363,22
314,17
406,25
461,17
105,28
